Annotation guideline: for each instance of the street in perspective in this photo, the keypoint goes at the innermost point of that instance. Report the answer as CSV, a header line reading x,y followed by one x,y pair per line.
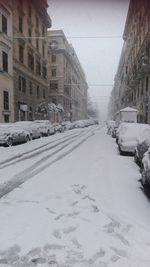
x,y
74,133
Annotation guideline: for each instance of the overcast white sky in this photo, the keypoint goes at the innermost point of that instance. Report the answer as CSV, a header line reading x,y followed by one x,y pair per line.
x,y
99,57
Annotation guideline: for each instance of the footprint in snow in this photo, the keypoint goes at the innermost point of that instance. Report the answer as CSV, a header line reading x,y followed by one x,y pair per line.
x,y
76,243
38,260
101,253
69,230
48,247
73,214
54,247
100,264
74,203
115,258
50,211
110,228
122,239
59,216
57,234
88,197
119,252
78,189
72,253
95,208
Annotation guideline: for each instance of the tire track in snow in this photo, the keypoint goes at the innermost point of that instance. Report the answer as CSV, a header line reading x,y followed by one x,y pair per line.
x,y
31,155
31,171
33,150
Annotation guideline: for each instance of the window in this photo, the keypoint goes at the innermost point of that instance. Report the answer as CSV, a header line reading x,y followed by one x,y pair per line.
x,y
43,50
53,58
5,61
37,44
30,60
53,72
20,25
53,85
147,83
30,113
38,67
30,35
44,94
43,30
54,101
44,71
37,22
141,91
22,84
4,24
6,118
21,53
20,3
19,81
30,88
30,10
37,92
6,100
138,92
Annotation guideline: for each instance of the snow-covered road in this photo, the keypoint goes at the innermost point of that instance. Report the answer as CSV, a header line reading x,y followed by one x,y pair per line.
x,y
71,200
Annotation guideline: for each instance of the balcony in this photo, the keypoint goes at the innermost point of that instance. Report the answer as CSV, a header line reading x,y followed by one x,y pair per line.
x,y
144,64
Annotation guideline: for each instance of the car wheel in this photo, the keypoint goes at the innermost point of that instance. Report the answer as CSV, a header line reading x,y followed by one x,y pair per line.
x,y
144,181
9,142
28,138
136,158
120,151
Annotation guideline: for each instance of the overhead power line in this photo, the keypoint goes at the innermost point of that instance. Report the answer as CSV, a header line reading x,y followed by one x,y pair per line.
x,y
89,84
69,37
95,37
103,85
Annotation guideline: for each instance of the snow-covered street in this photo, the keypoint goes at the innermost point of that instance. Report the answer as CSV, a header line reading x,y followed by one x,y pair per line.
x,y
71,200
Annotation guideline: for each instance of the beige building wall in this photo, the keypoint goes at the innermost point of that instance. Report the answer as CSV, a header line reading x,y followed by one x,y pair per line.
x,y
6,65
134,73
30,23
71,87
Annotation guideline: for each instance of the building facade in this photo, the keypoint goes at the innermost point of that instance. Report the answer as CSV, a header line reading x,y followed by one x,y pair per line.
x,y
6,64
134,74
67,82
30,23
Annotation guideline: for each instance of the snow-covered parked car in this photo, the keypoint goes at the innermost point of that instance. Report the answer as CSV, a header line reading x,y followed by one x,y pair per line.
x,y
128,137
11,134
120,130
110,126
79,124
142,146
68,125
58,127
146,169
45,126
31,127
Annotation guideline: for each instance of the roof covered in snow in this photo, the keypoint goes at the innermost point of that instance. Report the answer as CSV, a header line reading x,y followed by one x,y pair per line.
x,y
129,109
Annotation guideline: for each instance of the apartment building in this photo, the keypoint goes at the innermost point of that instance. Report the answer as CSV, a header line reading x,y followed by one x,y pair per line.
x,y
30,23
6,64
135,72
67,82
